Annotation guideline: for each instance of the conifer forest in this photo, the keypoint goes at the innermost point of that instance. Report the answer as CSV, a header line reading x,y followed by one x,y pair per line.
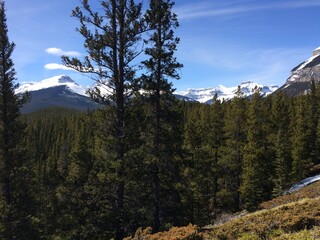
x,y
144,158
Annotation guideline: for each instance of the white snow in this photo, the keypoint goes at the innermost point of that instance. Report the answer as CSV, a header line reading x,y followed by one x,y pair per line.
x,y
204,95
307,62
61,80
303,183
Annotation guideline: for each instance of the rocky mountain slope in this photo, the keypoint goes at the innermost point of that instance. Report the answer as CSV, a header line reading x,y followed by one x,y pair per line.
x,y
302,75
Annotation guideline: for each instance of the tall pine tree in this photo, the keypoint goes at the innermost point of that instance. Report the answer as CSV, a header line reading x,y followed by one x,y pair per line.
x,y
160,109
111,39
256,186
15,217
231,160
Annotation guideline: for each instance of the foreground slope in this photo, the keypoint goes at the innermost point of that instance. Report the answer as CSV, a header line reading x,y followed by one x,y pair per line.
x,y
292,216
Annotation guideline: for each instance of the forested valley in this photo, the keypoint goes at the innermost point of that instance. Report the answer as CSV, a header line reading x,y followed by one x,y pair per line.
x,y
144,158
217,159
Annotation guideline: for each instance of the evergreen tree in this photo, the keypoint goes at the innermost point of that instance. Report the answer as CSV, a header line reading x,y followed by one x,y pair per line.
x,y
203,138
302,140
231,160
256,170
283,160
16,202
161,46
111,40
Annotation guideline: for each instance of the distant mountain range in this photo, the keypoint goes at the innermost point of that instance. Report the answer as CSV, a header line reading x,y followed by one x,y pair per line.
x,y
205,95
62,91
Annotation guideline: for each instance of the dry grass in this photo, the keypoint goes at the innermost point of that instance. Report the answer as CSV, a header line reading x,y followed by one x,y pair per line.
x,y
311,191
189,232
291,217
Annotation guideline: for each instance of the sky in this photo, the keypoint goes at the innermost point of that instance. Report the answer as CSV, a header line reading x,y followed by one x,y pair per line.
x,y
222,42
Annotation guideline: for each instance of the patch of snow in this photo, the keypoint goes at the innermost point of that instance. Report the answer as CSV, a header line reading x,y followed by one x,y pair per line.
x,y
60,80
204,95
307,62
303,183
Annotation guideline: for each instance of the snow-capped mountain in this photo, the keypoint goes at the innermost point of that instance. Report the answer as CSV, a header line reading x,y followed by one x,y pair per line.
x,y
205,95
61,80
62,91
58,91
302,75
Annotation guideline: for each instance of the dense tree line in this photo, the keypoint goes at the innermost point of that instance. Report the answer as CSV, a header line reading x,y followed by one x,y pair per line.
x,y
144,158
218,159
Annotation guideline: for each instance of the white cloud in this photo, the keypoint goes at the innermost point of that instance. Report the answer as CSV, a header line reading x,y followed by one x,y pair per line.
x,y
214,9
56,66
60,52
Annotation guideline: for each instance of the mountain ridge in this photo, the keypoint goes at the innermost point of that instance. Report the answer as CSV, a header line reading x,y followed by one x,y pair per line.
x,y
302,75
67,87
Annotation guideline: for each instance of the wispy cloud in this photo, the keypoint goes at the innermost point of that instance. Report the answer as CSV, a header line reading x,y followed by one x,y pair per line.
x,y
243,63
56,66
60,52
212,9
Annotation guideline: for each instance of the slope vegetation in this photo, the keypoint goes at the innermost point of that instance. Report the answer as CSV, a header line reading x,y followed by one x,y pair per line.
x,y
292,216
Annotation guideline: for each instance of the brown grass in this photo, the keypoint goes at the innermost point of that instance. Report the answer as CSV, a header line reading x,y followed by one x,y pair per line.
x,y
294,216
189,232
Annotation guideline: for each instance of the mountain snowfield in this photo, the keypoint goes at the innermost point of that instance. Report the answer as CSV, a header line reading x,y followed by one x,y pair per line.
x,y
61,80
203,95
305,67
301,76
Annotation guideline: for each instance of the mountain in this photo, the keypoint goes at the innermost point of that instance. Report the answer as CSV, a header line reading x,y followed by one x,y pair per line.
x,y
205,95
62,91
58,91
302,75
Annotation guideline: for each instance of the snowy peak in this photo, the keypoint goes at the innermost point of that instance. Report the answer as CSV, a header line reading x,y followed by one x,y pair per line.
x,y
302,75
61,80
66,79
307,70
205,95
316,52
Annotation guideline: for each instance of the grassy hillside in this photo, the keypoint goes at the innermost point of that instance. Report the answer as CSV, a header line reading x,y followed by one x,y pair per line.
x,y
293,216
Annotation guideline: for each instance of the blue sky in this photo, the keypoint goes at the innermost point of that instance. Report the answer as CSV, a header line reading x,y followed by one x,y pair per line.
x,y
222,42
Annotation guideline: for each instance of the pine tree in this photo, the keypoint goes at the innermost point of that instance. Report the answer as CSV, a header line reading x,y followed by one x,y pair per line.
x,y
231,160
256,185
16,203
161,46
302,140
111,38
283,160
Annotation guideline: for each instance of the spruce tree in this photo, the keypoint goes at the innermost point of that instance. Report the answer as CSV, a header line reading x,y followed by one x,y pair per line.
x,y
15,193
111,38
302,140
160,110
283,161
231,160
256,186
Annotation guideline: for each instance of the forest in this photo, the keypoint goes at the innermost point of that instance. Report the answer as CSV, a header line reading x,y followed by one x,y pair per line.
x,y
145,158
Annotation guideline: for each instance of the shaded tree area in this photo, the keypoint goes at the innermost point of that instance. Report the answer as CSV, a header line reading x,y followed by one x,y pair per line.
x,y
145,158
216,159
